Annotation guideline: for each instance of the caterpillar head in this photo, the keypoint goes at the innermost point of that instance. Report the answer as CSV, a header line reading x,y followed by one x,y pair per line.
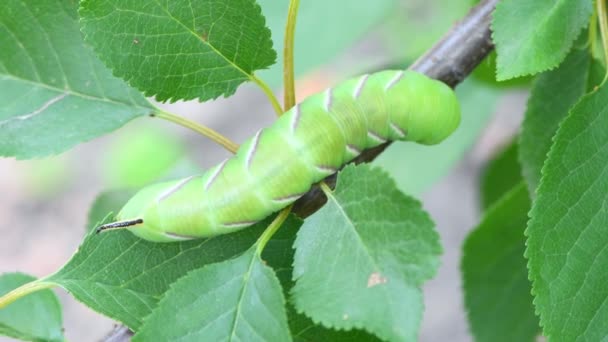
x,y
428,109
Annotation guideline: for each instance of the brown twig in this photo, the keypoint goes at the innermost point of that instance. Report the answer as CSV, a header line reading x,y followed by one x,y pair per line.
x,y
119,333
450,60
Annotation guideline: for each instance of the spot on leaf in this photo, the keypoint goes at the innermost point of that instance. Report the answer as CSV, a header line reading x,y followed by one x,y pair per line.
x,y
375,279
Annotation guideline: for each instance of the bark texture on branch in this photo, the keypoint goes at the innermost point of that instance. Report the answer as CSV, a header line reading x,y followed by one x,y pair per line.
x,y
451,60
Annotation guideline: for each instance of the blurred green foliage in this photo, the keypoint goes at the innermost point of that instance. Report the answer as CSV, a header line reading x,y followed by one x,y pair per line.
x,y
500,175
140,154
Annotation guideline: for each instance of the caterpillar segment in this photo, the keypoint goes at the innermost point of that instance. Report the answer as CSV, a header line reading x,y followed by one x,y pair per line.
x,y
280,163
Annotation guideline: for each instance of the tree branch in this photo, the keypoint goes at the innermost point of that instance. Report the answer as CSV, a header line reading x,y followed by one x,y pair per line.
x,y
451,60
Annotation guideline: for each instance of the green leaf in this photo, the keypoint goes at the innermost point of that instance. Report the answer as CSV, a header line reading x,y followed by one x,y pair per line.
x,y
235,300
500,176
416,167
495,278
54,92
36,317
279,255
486,72
124,277
553,94
533,36
303,329
361,259
179,49
567,232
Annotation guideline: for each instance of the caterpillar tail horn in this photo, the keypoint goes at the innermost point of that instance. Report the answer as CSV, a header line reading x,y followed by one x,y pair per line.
x,y
118,225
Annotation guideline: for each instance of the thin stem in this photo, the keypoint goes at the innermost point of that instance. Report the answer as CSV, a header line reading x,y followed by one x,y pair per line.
x,y
206,131
289,99
592,33
266,89
24,290
273,227
601,14
326,189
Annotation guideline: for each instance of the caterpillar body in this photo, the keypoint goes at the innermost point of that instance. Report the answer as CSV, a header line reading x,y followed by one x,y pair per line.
x,y
280,163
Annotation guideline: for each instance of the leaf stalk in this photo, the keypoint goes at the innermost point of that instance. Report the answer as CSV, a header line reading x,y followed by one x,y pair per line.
x,y
592,37
601,14
272,228
289,98
266,89
24,290
203,130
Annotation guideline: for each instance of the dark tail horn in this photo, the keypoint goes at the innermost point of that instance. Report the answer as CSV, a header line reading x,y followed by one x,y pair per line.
x,y
118,225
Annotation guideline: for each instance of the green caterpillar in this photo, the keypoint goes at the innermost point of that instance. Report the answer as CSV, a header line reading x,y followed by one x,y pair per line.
x,y
281,162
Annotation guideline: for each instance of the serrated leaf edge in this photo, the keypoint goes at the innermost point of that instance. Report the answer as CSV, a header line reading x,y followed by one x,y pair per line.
x,y
494,207
172,286
501,74
355,324
533,211
520,160
173,99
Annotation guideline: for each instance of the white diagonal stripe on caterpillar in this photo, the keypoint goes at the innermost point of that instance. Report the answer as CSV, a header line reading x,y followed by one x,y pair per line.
x,y
394,80
353,150
400,132
239,224
359,86
296,118
218,170
254,147
375,136
179,237
173,189
328,99
326,169
289,198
